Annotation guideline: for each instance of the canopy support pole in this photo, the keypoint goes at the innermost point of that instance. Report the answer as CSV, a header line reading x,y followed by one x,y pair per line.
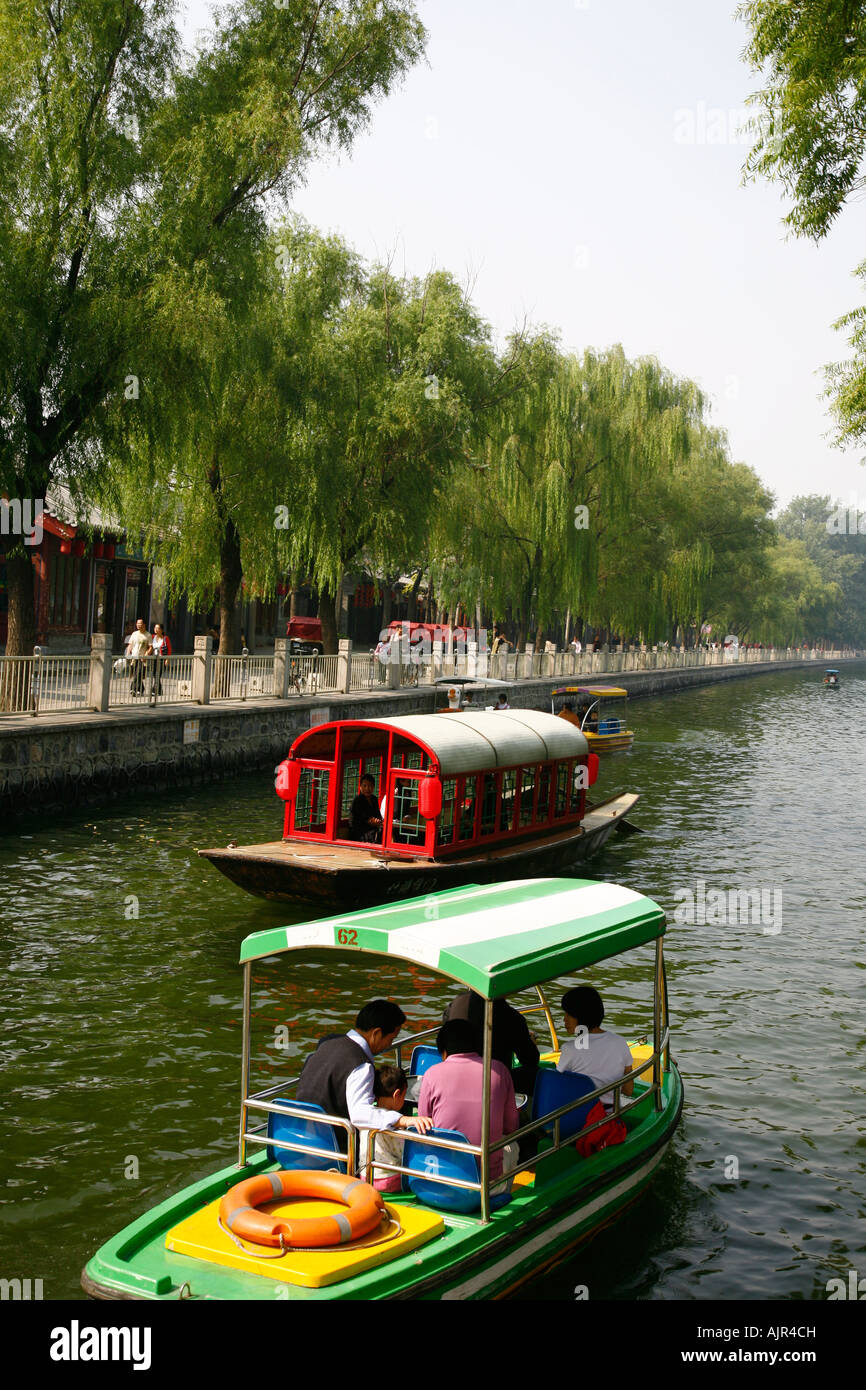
x,y
245,1064
485,1110
658,989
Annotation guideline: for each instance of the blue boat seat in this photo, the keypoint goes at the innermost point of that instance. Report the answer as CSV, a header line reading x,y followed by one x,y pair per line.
x,y
430,1163
293,1129
423,1057
553,1089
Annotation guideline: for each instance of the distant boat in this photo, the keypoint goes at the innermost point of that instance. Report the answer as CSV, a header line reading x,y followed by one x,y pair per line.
x,y
599,711
472,798
831,678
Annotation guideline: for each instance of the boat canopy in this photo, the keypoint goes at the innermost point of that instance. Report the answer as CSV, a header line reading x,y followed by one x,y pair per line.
x,y
495,939
476,741
832,671
601,692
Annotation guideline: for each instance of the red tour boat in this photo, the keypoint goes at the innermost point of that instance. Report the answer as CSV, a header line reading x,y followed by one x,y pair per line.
x,y
471,798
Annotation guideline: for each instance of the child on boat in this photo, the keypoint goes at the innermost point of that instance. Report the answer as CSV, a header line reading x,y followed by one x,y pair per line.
x,y
389,1088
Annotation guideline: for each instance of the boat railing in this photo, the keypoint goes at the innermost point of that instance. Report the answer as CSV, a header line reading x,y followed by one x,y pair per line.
x,y
258,1134
543,1122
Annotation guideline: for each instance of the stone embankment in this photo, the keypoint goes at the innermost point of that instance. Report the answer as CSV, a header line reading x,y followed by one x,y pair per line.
x,y
50,763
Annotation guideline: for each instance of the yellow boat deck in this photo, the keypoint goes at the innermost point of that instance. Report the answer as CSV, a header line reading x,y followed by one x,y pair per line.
x,y
204,1238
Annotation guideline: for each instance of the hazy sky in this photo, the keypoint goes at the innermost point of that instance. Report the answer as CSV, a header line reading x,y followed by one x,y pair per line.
x,y
580,160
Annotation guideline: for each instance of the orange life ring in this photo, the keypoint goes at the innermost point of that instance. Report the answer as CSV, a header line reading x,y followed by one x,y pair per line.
x,y
364,1209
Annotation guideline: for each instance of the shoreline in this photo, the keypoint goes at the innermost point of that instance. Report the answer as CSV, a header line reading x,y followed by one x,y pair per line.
x,y
53,761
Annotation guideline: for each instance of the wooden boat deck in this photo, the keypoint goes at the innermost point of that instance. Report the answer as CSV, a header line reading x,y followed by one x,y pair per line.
x,y
331,857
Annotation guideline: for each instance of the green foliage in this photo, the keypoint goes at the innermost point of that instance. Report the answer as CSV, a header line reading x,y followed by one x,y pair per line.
x,y
125,171
393,375
811,133
812,122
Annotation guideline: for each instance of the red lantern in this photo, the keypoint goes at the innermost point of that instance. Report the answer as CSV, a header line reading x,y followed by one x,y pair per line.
x,y
288,776
430,797
592,768
98,550
109,550
78,547
66,547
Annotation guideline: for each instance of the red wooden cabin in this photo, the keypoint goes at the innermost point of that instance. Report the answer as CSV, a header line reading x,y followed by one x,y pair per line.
x,y
451,786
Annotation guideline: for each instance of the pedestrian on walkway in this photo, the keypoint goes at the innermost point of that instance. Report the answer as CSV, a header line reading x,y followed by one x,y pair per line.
x,y
137,647
159,649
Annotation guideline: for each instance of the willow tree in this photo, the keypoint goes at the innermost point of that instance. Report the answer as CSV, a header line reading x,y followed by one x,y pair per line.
x,y
393,374
197,465
558,475
696,535
120,161
810,132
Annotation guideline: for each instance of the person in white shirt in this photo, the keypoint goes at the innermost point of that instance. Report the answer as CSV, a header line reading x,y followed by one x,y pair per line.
x,y
576,646
502,702
137,645
596,1053
340,1076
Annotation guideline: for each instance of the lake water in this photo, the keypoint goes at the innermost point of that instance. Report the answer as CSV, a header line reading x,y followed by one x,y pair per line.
x,y
120,1064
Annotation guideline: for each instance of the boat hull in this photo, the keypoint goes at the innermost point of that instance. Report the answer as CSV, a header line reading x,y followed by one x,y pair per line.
x,y
339,877
470,1260
608,743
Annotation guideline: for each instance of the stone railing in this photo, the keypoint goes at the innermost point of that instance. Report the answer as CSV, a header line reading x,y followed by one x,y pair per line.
x,y
103,681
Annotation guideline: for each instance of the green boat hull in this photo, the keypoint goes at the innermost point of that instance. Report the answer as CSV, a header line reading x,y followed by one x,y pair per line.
x,y
571,1199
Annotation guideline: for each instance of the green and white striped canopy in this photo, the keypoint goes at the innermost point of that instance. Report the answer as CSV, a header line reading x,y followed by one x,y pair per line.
x,y
495,939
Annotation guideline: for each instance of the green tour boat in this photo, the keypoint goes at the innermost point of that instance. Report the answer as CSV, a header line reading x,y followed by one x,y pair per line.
x,y
454,1231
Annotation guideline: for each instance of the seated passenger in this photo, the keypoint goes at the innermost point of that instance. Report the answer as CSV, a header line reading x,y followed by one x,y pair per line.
x,y
389,1088
340,1076
567,713
451,1093
366,820
511,1035
600,1055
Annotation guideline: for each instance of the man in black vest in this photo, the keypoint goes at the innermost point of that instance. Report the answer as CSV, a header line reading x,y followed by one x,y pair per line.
x,y
340,1073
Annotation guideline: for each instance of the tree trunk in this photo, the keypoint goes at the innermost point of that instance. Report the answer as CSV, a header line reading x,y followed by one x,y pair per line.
x,y
22,603
230,583
413,597
328,619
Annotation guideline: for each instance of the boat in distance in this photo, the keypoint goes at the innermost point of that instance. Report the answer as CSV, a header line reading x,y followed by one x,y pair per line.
x,y
452,1228
600,714
470,798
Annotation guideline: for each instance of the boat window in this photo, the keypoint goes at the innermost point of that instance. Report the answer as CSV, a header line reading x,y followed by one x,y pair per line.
x,y
542,812
407,827
576,770
467,808
406,754
507,804
311,802
445,824
320,744
353,770
560,804
489,787
527,794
